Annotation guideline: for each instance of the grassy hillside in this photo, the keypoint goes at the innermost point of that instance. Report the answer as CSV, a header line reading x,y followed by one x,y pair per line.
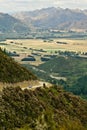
x,y
73,69
12,72
42,109
70,67
79,87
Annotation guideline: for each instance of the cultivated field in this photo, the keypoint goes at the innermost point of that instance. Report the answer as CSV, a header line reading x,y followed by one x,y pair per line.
x,y
72,45
26,47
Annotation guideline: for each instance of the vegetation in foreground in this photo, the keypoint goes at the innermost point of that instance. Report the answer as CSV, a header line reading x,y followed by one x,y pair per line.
x,y
43,109
11,72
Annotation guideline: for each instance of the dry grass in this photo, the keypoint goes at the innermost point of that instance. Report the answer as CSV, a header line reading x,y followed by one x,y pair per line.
x,y
23,84
73,45
26,84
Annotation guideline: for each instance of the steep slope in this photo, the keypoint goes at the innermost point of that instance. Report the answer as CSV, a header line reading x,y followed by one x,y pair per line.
x,y
11,24
11,72
42,109
55,18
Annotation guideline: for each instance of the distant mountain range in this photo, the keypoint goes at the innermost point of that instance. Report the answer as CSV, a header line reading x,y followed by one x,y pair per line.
x,y
55,18
48,18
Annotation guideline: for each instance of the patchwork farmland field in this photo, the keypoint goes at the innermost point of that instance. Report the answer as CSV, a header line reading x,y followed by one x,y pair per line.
x,y
40,47
72,45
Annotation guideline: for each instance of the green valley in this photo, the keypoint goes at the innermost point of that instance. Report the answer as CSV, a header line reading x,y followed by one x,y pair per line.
x,y
43,65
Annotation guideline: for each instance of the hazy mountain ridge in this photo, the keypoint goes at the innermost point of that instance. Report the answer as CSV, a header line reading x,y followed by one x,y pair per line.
x,y
55,18
49,18
10,24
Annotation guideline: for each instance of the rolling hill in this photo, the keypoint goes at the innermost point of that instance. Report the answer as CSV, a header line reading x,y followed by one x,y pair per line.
x,y
74,69
69,67
11,72
70,72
